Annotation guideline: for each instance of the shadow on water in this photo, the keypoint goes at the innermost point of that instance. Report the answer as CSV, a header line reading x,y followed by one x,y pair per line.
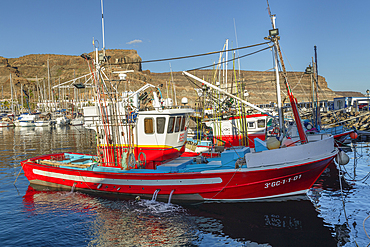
x,y
285,223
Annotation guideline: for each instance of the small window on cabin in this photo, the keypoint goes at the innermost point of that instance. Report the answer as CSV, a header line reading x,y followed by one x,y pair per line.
x,y
251,125
161,123
171,125
261,123
182,128
148,126
187,120
178,122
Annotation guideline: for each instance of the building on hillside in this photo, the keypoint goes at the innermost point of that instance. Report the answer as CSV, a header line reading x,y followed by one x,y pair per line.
x,y
351,103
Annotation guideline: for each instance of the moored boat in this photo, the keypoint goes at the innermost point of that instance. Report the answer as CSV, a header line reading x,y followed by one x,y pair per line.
x,y
25,120
238,174
6,122
138,153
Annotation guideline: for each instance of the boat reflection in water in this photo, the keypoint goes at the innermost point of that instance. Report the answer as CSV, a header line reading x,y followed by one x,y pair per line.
x,y
108,221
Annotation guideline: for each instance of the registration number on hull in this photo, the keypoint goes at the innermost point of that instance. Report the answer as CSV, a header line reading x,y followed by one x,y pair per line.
x,y
282,181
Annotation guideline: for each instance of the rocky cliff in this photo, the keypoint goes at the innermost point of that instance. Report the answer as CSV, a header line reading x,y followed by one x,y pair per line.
x,y
31,70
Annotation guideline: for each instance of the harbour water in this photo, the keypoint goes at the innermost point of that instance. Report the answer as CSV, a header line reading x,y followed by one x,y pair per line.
x,y
333,214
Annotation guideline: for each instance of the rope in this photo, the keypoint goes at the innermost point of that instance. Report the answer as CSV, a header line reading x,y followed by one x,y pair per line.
x,y
340,175
230,59
225,184
19,173
363,225
84,180
196,55
351,178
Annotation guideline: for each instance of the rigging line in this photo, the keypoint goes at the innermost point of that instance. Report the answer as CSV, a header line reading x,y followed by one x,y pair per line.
x,y
230,59
221,104
340,176
299,81
257,82
196,55
363,225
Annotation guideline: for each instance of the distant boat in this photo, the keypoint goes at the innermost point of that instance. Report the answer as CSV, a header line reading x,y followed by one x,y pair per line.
x,y
43,120
25,120
62,120
77,121
6,122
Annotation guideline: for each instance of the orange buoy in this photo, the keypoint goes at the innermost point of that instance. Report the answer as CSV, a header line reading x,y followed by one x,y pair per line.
x,y
353,135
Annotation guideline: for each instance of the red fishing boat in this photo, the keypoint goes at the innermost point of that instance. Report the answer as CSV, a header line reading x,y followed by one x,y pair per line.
x,y
138,154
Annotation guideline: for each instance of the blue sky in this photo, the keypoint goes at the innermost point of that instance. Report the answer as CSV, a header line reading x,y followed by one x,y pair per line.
x,y
164,29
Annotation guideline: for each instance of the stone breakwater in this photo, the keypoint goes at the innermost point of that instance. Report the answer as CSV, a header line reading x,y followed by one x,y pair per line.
x,y
357,120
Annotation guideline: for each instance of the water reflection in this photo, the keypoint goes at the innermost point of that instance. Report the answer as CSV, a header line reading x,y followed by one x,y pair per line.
x,y
147,223
111,222
60,218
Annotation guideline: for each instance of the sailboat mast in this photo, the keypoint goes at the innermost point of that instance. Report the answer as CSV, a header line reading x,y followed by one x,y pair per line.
x,y
48,80
226,59
11,91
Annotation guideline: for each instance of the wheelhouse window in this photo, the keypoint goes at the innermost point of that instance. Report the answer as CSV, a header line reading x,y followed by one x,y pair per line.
x,y
178,123
171,125
261,123
251,125
161,123
148,126
182,128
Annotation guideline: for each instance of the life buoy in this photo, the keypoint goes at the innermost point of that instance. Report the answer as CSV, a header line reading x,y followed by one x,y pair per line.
x,y
275,131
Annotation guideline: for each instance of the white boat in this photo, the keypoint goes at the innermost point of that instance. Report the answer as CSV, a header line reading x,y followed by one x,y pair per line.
x,y
62,120
25,120
77,121
42,123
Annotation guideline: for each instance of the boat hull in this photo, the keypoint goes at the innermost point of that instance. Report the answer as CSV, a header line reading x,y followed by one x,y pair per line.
x,y
222,185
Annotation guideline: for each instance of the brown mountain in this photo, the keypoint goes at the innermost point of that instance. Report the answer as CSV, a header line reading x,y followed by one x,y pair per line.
x,y
31,70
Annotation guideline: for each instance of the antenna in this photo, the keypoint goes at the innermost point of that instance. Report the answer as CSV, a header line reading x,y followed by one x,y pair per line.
x,y
268,8
237,46
102,25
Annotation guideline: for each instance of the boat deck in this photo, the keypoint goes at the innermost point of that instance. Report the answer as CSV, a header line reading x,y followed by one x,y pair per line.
x,y
179,165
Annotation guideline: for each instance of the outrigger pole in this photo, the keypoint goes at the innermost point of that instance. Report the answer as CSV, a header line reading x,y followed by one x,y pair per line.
x,y
224,92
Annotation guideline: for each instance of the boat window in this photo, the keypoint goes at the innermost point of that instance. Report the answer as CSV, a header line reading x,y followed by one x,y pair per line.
x,y
148,126
171,125
187,121
178,122
261,123
161,123
251,125
182,128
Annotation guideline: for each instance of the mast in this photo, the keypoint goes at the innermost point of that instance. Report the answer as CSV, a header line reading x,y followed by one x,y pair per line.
x,y
22,97
318,118
278,92
49,80
226,58
11,91
293,101
173,86
102,25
